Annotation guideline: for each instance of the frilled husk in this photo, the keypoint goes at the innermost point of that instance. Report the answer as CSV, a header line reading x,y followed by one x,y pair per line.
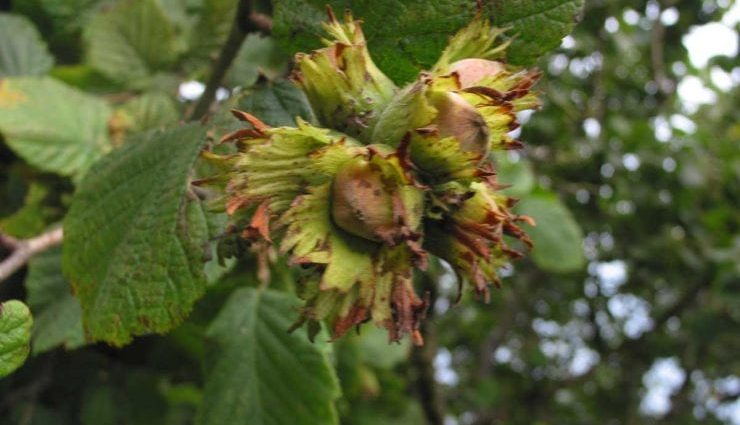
x,y
400,174
449,120
283,185
469,230
345,88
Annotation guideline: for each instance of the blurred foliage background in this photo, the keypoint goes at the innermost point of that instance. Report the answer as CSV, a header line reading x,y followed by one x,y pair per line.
x,y
626,312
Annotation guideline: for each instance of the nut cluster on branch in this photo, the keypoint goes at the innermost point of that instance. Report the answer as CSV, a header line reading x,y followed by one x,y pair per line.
x,y
390,176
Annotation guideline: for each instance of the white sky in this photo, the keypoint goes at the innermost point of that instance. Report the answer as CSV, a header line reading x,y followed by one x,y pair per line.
x,y
703,43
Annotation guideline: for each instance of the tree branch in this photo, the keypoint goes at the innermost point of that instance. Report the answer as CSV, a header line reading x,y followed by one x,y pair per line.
x,y
657,41
496,336
23,250
422,358
246,21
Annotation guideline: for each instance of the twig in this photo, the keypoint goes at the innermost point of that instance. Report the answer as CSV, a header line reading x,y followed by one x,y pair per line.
x,y
496,337
22,250
422,357
657,40
245,22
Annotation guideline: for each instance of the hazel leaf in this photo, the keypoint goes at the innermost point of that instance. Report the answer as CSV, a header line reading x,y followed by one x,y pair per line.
x,y
53,126
22,50
259,373
131,41
150,110
517,174
15,335
558,239
277,103
405,37
34,216
258,55
135,237
58,315
538,25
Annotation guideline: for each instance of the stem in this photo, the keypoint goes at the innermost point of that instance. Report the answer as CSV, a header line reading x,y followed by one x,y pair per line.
x,y
246,21
422,359
496,337
657,41
23,250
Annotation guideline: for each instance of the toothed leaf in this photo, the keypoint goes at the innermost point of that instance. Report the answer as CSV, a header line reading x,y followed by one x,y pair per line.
x,y
22,50
557,237
135,238
259,373
405,37
58,316
53,126
15,335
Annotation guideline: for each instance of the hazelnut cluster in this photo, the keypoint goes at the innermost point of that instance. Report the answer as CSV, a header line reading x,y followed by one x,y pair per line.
x,y
391,176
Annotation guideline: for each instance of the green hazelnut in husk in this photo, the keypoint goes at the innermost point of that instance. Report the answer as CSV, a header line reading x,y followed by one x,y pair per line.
x,y
457,118
373,197
361,204
345,88
473,70
396,174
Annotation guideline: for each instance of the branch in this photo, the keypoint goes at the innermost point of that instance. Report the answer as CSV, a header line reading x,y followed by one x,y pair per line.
x,y
246,21
657,41
23,250
496,337
422,358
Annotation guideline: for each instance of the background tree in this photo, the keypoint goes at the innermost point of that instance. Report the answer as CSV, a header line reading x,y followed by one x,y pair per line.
x,y
626,312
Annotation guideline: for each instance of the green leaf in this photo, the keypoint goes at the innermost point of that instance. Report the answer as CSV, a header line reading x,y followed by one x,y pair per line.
x,y
52,126
516,173
32,218
403,37
277,104
557,237
258,373
14,189
212,29
22,51
84,77
58,316
538,25
407,36
15,335
216,268
68,16
134,238
257,55
131,41
378,352
150,110
99,406
128,395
